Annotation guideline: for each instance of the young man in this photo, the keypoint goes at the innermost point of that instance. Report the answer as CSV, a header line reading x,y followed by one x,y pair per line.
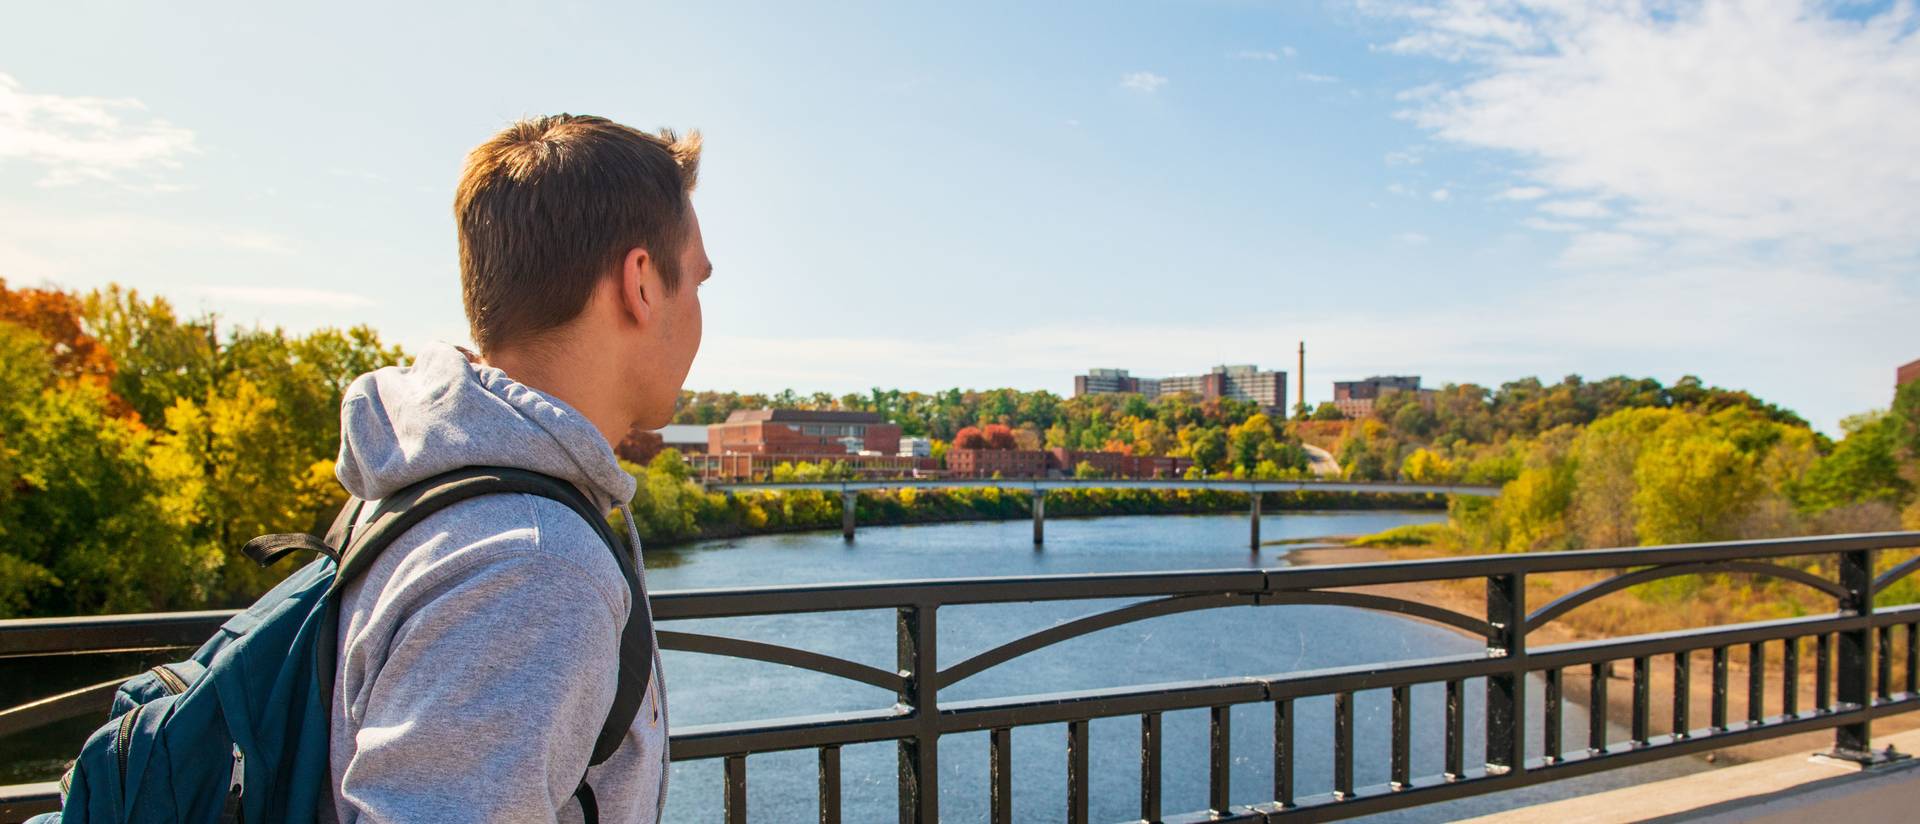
x,y
479,655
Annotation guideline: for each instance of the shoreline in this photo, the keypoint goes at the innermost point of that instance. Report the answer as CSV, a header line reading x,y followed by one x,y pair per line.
x,y
1462,597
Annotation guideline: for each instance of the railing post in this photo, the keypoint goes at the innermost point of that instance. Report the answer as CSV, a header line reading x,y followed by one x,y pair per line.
x,y
919,754
1039,515
1506,691
1853,742
1253,540
848,499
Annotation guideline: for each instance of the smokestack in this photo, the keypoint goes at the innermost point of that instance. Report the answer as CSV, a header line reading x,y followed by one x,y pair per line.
x,y
1302,372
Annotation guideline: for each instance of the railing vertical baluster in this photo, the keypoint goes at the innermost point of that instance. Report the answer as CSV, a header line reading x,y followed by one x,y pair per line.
x,y
1000,797
1283,752
830,784
919,754
1150,767
1456,730
1756,682
1507,691
1402,768
1077,777
1823,673
1719,721
1343,745
1790,678
1854,741
1913,658
1550,732
1597,706
734,808
1885,659
1683,693
1220,758
1642,699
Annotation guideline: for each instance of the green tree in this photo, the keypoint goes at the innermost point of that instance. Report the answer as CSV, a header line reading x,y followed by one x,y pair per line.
x,y
1865,466
78,528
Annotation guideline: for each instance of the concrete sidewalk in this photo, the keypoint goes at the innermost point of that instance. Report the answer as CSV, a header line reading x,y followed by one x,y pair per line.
x,y
1787,789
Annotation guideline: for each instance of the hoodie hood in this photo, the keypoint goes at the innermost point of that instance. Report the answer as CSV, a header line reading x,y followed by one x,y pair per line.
x,y
404,424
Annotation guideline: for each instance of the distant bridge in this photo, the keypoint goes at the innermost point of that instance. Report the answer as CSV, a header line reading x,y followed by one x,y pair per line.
x,y
1039,486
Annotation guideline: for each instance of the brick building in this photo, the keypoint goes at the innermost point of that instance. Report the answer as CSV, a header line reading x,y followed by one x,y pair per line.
x,y
1042,463
743,466
803,432
1906,374
1355,399
1007,463
1242,382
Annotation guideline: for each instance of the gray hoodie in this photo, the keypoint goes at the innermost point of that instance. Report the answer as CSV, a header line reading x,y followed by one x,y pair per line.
x,y
478,656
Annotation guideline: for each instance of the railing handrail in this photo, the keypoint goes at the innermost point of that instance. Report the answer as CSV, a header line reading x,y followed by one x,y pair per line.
x,y
20,636
1850,690
1220,484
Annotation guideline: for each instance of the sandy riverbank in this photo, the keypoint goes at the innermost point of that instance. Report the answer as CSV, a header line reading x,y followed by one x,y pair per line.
x,y
1468,597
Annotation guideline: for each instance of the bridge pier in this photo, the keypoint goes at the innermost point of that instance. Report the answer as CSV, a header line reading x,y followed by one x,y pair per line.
x,y
1253,541
1039,516
847,500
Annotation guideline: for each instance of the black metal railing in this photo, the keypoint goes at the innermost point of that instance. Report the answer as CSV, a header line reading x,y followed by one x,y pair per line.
x,y
1854,675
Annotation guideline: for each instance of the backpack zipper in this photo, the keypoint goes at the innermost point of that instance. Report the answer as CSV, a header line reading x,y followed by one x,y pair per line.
x,y
123,742
170,679
236,790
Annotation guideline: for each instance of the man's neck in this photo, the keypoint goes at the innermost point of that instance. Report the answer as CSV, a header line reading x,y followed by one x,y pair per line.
x,y
566,379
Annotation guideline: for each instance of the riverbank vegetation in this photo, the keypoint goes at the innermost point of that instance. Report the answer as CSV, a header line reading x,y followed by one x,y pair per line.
x,y
139,448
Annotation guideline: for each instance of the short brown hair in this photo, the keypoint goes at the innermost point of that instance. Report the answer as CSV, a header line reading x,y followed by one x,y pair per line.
x,y
551,204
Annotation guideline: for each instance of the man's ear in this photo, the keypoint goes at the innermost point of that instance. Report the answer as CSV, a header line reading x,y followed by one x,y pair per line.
x,y
639,286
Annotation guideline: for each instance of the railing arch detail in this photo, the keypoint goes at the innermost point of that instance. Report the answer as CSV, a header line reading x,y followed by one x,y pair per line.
x,y
1580,597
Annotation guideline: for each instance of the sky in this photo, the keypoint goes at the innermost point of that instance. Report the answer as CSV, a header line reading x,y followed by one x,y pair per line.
x,y
1006,194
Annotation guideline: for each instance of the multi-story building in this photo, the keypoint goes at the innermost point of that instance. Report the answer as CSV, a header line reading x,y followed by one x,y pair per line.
x,y
751,442
743,466
1041,463
1241,382
1355,398
1007,463
916,447
803,432
689,438
1906,374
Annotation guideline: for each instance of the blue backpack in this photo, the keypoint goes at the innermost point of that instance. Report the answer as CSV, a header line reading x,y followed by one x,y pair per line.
x,y
239,731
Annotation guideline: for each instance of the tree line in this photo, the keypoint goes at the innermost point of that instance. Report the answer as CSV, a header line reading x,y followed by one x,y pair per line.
x,y
139,448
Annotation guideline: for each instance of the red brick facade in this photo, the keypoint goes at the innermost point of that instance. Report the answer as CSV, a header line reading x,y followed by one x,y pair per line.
x,y
1036,463
802,432
1906,374
1007,463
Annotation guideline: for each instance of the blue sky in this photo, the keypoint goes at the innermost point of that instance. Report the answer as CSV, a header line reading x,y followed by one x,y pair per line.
x,y
1005,194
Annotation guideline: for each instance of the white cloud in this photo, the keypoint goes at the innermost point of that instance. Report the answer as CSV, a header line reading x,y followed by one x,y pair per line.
x,y
1576,209
1256,54
1310,77
1545,225
76,139
1524,193
286,296
1441,195
1411,238
1288,51
1732,122
1142,82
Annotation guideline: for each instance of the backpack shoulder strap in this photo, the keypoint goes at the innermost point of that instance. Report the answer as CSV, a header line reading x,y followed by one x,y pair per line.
x,y
405,509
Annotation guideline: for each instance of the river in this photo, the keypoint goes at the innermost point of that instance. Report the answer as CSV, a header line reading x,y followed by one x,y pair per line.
x,y
1217,643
